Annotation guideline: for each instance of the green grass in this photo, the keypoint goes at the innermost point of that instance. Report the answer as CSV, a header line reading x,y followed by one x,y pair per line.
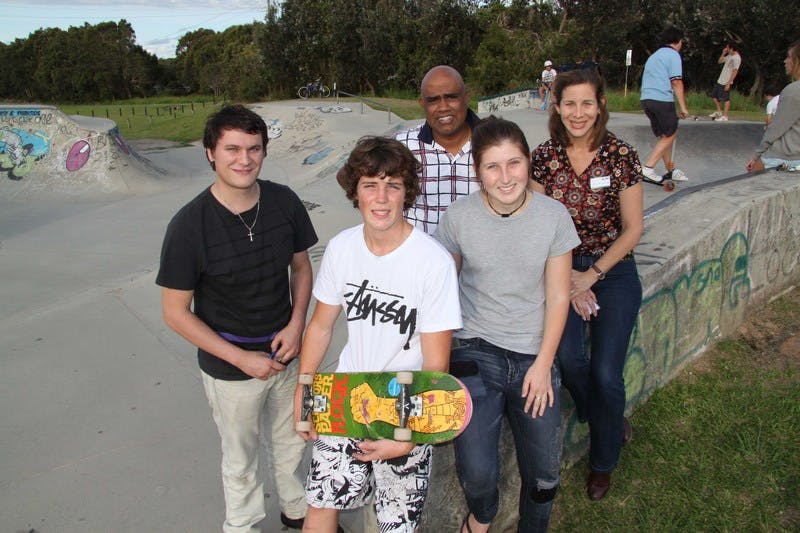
x,y
405,108
176,119
715,450
742,107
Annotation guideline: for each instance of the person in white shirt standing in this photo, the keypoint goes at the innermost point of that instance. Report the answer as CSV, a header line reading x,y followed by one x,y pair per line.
x,y
730,61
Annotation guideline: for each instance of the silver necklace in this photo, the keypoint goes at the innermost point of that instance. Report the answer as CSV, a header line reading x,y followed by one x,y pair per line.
x,y
258,210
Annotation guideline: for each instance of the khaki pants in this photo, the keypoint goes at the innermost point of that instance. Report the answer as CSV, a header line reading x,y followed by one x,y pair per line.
x,y
237,408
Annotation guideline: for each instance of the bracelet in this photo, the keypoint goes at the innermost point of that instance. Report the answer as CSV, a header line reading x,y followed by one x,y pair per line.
x,y
600,274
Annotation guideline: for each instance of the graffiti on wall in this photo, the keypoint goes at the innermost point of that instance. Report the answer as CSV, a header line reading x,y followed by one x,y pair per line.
x,y
23,141
27,137
517,100
667,333
55,145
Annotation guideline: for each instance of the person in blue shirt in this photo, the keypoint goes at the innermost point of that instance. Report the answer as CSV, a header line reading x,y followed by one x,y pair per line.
x,y
662,82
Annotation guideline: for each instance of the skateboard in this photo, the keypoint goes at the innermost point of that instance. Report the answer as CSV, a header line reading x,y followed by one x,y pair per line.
x,y
701,118
425,407
666,181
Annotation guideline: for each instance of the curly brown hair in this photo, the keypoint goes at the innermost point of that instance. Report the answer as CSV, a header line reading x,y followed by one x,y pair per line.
x,y
380,156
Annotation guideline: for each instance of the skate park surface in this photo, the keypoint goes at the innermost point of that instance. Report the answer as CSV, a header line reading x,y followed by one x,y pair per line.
x,y
105,426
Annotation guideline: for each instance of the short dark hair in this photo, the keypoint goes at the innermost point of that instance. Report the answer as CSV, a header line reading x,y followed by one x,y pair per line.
x,y
671,35
732,46
772,90
577,77
492,131
234,117
384,157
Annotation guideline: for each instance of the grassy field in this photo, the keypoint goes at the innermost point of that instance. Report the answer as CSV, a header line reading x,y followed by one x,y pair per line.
x,y
176,119
715,450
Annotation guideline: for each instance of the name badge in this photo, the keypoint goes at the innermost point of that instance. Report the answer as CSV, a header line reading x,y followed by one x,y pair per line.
x,y
600,182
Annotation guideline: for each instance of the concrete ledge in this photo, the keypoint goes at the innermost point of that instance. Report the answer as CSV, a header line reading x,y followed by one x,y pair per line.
x,y
704,262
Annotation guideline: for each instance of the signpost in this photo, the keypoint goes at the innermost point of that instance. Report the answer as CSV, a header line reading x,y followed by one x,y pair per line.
x,y
628,57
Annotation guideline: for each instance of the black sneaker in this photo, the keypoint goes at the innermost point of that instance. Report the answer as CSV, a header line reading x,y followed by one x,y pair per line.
x,y
297,523
292,523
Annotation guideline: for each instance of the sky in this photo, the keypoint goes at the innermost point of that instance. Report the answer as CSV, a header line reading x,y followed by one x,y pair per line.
x,y
158,23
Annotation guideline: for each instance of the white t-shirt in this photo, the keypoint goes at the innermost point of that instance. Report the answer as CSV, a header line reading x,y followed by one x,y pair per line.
x,y
388,300
772,105
548,75
732,62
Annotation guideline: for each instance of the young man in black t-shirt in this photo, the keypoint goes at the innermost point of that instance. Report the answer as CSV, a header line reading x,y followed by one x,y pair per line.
x,y
236,282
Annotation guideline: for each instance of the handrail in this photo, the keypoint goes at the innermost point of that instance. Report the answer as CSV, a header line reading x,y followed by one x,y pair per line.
x,y
362,100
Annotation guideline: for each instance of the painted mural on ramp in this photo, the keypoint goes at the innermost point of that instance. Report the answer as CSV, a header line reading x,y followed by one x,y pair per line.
x,y
44,151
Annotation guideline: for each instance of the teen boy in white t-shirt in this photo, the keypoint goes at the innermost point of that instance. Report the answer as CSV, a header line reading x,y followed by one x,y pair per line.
x,y
399,290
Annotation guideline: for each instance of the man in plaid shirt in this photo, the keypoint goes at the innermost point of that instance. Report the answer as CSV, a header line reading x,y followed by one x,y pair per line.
x,y
442,144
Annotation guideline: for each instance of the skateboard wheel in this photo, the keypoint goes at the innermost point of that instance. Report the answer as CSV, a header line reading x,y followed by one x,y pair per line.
x,y
302,425
405,378
669,185
402,434
305,379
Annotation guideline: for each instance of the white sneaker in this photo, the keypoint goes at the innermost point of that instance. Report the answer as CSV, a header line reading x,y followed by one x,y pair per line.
x,y
723,118
678,175
651,174
715,114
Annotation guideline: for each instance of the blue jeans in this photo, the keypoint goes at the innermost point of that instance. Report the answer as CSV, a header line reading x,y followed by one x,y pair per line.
x,y
596,383
770,162
494,377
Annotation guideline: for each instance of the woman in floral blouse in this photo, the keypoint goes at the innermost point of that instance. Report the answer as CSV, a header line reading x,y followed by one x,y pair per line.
x,y
598,178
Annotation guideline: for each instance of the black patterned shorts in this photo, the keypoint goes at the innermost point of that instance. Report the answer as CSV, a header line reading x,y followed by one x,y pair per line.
x,y
336,480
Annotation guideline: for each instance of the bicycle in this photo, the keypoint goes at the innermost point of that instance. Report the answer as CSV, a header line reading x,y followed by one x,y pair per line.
x,y
545,99
314,88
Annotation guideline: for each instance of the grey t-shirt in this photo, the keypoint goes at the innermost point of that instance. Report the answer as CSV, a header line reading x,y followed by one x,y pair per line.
x,y
501,284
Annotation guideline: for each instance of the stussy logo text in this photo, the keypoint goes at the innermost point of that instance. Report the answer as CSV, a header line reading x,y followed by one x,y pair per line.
x,y
366,303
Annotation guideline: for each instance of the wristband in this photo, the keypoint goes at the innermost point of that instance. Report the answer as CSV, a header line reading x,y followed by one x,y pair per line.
x,y
600,274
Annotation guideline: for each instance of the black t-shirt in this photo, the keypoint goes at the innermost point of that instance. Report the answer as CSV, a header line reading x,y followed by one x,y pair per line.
x,y
240,287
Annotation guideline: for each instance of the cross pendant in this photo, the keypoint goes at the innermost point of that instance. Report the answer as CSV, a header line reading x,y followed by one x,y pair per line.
x,y
250,234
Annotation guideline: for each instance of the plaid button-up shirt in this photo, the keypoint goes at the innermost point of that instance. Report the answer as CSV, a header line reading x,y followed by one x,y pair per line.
x,y
445,177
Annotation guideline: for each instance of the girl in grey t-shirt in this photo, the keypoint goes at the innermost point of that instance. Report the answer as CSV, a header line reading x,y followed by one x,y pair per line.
x,y
512,248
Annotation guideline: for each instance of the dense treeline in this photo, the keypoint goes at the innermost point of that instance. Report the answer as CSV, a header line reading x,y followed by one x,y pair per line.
x,y
375,46
83,64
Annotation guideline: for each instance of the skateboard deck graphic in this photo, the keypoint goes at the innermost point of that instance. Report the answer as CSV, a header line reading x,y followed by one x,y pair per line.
x,y
421,406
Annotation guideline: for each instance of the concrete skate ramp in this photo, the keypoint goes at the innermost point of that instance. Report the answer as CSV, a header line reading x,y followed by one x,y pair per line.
x,y
45,152
705,150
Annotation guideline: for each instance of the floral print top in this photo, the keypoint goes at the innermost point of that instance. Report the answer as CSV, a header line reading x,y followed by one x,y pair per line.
x,y
595,211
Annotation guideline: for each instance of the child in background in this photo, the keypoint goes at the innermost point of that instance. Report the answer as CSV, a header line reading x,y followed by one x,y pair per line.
x,y
772,94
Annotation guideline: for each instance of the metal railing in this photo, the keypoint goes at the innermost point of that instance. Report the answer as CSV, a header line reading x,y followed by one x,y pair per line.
x,y
363,100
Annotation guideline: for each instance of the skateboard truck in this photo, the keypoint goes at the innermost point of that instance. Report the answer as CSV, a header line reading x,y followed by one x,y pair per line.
x,y
403,406
669,184
308,404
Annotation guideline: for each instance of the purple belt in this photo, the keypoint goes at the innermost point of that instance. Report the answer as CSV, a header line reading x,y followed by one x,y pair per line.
x,y
246,340
250,340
